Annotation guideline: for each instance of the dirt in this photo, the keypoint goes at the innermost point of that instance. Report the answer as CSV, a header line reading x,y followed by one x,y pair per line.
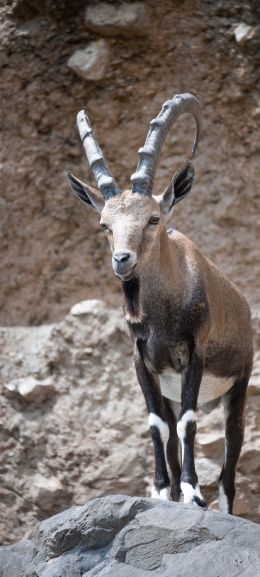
x,y
54,253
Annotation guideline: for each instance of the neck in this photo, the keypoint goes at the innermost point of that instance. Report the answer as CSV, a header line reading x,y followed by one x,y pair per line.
x,y
161,272
154,280
132,306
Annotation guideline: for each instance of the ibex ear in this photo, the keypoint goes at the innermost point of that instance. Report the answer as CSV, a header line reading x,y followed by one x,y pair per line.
x,y
179,187
86,193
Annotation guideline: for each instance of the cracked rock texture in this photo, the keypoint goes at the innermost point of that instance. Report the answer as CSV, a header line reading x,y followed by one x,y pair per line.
x,y
122,536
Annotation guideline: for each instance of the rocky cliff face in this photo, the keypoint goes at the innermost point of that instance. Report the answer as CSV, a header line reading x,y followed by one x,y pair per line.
x,y
133,537
73,423
74,427
54,253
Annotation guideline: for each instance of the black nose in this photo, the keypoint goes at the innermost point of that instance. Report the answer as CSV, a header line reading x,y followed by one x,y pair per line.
x,y
121,256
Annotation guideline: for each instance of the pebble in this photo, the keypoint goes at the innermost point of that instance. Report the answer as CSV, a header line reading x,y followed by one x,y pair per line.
x,y
90,62
243,32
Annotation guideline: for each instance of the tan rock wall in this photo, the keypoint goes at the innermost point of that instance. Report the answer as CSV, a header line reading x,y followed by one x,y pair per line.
x,y
88,434
53,253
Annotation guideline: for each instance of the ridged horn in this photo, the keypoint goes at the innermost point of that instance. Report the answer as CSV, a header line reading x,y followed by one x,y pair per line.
x,y
104,177
149,154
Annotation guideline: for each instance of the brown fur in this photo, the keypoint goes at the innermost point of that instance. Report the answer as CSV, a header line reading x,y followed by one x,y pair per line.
x,y
171,269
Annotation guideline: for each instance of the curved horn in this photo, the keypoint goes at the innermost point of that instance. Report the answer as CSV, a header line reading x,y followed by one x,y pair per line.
x,y
149,154
105,180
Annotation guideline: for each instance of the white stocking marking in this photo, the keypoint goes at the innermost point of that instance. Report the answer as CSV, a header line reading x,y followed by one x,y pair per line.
x,y
182,426
222,500
164,494
155,421
190,492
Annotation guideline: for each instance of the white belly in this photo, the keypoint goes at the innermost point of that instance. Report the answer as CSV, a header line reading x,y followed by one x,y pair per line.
x,y
211,387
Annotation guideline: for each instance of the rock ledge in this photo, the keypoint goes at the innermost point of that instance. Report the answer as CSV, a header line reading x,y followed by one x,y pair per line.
x,y
135,537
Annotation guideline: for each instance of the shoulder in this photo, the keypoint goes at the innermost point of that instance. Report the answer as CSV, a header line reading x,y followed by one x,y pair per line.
x,y
182,243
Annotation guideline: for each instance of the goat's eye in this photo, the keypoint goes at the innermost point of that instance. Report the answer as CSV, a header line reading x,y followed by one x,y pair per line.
x,y
154,220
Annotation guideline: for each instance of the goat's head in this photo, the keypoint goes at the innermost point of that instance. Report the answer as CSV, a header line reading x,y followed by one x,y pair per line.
x,y
134,219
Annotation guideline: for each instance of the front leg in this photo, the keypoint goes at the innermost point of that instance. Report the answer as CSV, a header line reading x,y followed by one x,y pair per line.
x,y
186,429
158,426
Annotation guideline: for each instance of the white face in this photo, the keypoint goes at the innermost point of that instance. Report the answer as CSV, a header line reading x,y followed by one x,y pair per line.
x,y
132,223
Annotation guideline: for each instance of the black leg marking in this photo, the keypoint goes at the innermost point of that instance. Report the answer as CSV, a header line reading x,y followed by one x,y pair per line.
x,y
131,290
157,423
189,474
186,429
234,405
173,452
161,477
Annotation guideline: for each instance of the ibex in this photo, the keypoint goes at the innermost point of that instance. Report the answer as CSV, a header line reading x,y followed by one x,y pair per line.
x,y
190,326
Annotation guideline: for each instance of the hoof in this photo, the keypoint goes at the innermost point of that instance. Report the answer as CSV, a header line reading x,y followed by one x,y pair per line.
x,y
198,502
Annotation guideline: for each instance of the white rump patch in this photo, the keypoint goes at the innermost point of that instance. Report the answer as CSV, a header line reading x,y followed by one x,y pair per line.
x,y
163,494
222,500
190,492
211,387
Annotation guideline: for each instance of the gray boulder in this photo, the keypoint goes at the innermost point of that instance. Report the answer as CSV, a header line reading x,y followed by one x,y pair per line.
x,y
119,536
14,558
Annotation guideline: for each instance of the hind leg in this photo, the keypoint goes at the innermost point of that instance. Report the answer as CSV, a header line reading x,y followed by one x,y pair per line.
x,y
234,407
